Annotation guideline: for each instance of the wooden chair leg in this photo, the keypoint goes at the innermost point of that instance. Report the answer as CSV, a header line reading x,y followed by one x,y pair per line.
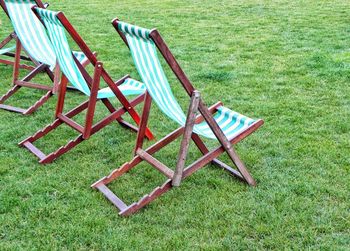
x,y
56,81
144,120
226,144
204,150
92,100
17,61
61,95
191,117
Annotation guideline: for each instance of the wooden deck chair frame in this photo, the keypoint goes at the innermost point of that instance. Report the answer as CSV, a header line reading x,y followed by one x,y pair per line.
x,y
26,81
94,84
180,173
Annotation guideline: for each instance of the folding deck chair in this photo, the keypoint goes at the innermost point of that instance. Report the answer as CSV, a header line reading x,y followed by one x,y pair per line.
x,y
56,24
217,122
30,33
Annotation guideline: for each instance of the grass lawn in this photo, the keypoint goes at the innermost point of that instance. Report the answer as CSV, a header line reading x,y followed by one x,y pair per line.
x,y
287,62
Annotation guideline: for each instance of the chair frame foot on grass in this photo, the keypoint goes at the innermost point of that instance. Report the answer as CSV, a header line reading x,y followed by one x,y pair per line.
x,y
56,24
198,114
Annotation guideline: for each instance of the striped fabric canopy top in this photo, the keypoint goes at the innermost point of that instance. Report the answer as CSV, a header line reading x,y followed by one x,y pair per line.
x,y
31,32
67,64
144,54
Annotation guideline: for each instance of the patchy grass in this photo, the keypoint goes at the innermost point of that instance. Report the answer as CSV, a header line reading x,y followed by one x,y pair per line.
x,y
287,62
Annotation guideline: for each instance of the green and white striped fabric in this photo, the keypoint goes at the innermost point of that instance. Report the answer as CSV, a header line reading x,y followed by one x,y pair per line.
x,y
67,64
144,53
31,32
6,50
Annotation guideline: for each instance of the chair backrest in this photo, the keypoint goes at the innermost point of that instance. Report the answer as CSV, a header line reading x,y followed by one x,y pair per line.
x,y
68,65
143,44
144,53
30,31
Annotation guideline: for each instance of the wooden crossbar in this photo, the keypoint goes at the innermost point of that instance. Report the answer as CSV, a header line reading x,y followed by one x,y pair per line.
x,y
33,85
155,163
71,123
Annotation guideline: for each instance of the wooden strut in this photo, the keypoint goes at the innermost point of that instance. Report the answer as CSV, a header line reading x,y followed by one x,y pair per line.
x,y
190,121
25,82
180,173
6,41
67,119
208,156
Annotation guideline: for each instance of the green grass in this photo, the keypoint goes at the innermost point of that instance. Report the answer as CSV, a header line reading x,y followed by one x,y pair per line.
x,y
287,62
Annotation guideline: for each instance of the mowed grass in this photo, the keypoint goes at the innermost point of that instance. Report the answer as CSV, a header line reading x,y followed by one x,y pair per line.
x,y
287,62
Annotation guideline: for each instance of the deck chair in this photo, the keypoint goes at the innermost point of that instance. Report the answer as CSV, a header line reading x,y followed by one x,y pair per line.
x,y
30,34
56,24
216,122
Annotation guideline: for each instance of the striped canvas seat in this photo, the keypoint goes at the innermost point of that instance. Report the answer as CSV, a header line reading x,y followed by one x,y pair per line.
x,y
67,64
145,57
25,24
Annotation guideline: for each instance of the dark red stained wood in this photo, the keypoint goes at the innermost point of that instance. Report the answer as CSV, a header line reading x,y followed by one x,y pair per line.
x,y
185,143
12,108
33,85
71,123
136,160
92,102
34,150
155,163
90,55
219,150
144,120
22,66
112,197
6,40
61,95
208,156
93,82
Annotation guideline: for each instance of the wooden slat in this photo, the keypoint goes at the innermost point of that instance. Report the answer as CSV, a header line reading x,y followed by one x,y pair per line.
x,y
34,150
71,123
22,66
112,197
227,168
185,143
155,163
33,85
10,54
12,108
